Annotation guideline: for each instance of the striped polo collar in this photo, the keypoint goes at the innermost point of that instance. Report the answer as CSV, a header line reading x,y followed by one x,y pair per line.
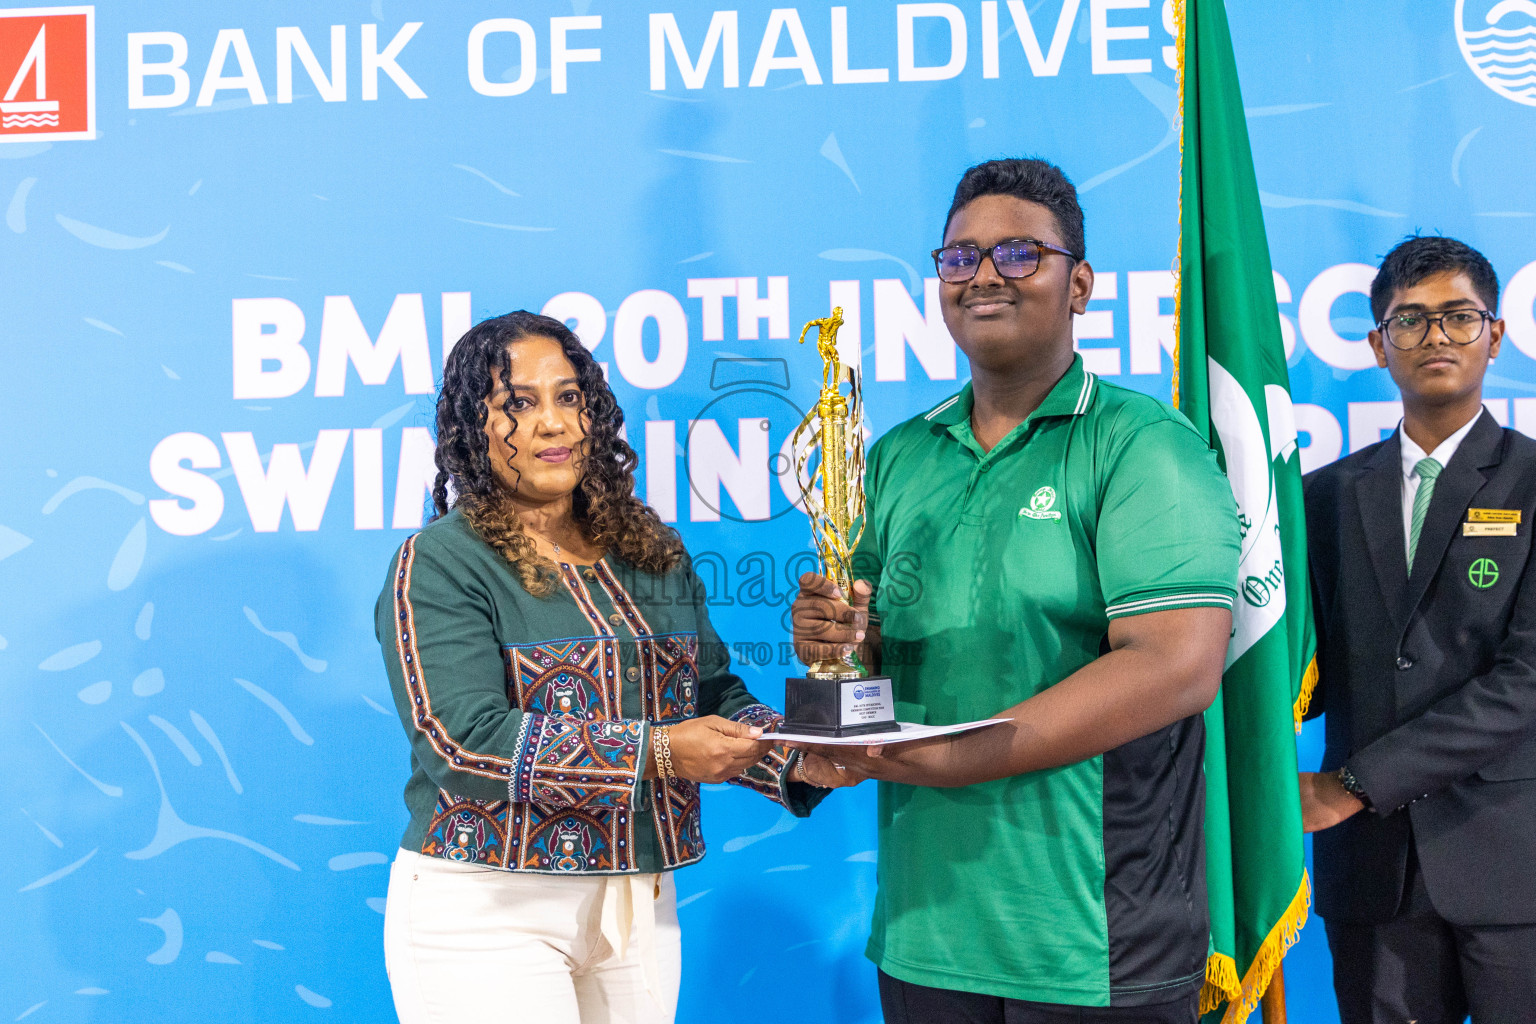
x,y
1071,396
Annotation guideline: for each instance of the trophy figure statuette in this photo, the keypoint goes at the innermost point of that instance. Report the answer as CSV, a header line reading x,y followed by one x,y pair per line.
x,y
835,697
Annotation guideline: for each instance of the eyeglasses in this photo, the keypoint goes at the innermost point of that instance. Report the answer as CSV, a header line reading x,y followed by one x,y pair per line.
x,y
1016,257
1409,330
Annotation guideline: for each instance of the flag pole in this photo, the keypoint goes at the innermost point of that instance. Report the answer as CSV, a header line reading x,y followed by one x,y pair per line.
x,y
1273,1004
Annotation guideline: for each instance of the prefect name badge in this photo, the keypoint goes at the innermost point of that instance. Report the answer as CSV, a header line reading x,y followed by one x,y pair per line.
x,y
1488,529
1493,515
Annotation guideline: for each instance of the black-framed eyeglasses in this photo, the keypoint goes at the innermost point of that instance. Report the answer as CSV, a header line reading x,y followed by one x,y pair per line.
x,y
1407,331
1016,257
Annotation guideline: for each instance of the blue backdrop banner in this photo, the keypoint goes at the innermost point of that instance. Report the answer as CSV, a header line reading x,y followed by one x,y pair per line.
x,y
240,239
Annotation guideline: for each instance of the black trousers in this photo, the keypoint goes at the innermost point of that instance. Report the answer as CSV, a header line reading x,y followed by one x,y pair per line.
x,y
905,1003
1420,967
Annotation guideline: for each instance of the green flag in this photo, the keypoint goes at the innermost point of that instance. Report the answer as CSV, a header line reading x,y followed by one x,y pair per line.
x,y
1231,382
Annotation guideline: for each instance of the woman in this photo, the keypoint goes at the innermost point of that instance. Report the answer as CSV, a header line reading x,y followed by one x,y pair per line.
x,y
551,656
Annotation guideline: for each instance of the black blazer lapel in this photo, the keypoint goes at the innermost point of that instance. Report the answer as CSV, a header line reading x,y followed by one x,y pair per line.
x,y
1482,448
1379,498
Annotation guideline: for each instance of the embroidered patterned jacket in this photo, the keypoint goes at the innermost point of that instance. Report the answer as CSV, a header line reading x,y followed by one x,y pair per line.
x,y
528,716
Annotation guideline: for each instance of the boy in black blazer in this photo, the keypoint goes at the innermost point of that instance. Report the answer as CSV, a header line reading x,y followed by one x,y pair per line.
x,y
1425,597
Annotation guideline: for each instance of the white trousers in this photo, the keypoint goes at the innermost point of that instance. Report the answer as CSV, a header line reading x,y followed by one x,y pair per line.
x,y
468,943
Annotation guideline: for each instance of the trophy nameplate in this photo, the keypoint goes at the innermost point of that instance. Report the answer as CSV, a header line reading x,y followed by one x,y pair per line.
x,y
839,707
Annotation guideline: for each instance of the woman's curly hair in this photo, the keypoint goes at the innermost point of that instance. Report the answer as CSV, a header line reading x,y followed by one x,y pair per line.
x,y
604,505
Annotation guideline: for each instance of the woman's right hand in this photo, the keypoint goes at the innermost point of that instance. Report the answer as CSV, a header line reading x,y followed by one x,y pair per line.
x,y
714,749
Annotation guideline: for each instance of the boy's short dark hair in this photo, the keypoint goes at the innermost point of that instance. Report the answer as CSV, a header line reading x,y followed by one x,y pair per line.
x,y
1419,256
1035,181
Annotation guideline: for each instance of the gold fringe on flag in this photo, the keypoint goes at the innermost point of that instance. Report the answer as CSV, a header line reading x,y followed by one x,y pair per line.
x,y
1304,699
1243,999
1221,982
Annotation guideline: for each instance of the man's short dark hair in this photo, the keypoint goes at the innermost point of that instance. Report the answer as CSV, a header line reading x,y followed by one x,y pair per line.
x,y
1419,256
1035,181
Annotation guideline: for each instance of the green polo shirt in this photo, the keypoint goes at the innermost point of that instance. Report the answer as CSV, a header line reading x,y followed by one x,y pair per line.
x,y
997,573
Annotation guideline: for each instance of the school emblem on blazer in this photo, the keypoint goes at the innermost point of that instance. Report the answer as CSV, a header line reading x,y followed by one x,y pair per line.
x,y
1483,573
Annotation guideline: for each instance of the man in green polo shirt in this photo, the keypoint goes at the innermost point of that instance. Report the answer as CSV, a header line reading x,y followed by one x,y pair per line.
x,y
1061,552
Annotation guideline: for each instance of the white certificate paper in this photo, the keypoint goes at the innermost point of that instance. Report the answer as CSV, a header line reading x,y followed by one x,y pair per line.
x,y
909,731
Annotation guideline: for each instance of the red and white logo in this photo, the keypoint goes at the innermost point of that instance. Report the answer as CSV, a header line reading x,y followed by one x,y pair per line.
x,y
48,73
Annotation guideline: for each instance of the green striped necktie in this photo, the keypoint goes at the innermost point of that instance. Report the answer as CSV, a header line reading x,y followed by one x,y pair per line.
x,y
1427,469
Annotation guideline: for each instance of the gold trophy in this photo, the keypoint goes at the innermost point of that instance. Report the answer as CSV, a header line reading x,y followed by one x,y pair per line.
x,y
835,698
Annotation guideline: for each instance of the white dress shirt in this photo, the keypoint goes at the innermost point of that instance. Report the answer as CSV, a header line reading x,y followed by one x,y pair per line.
x,y
1412,454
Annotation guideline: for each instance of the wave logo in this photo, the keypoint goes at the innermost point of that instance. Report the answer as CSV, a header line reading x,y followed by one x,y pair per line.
x,y
1498,40
48,72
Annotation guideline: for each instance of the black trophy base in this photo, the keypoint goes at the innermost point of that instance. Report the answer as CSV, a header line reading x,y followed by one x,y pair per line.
x,y
839,707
